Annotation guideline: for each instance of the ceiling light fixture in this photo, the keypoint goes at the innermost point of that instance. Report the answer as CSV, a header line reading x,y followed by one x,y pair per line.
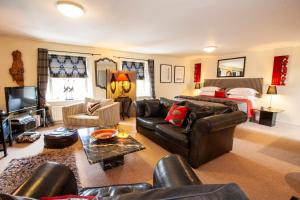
x,y
70,9
210,49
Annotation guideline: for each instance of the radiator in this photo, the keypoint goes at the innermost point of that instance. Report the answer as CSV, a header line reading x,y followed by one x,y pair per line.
x,y
57,113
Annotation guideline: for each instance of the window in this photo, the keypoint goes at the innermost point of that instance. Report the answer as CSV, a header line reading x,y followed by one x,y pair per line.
x,y
68,78
143,86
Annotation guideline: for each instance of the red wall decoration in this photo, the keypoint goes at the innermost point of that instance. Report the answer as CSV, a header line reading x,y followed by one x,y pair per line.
x,y
279,70
197,73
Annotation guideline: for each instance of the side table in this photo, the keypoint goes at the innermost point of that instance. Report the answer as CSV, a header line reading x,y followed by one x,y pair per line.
x,y
5,134
125,106
267,116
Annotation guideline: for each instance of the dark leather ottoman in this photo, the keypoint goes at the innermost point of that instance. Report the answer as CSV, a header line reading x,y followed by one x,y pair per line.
x,y
60,139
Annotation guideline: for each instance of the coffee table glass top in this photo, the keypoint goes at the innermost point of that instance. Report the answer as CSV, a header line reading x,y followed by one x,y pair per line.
x,y
101,150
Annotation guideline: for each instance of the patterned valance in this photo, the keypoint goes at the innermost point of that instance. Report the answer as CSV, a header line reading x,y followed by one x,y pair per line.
x,y
67,66
138,67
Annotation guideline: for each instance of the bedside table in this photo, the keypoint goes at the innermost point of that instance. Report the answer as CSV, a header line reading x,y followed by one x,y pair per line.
x,y
267,116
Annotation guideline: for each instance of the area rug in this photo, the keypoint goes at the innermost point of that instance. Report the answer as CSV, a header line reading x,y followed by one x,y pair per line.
x,y
19,170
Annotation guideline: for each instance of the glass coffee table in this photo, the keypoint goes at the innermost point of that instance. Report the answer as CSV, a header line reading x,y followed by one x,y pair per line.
x,y
109,153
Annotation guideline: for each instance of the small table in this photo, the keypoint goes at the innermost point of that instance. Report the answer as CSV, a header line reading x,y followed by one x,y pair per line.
x,y
125,106
109,153
267,116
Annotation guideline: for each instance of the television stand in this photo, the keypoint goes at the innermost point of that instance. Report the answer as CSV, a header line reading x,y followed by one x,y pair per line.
x,y
27,121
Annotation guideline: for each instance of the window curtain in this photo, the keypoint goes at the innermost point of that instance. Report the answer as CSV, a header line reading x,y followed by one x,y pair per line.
x,y
138,67
151,75
42,81
67,66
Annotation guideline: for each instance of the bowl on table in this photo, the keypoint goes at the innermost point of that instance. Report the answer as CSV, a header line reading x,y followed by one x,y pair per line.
x,y
104,134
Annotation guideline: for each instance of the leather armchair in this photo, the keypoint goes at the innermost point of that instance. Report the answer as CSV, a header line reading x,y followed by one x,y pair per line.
x,y
172,178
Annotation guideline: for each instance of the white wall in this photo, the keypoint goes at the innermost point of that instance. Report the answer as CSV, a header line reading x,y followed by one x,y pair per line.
x,y
260,64
29,56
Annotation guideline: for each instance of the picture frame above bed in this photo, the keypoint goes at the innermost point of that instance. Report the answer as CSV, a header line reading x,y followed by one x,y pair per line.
x,y
231,67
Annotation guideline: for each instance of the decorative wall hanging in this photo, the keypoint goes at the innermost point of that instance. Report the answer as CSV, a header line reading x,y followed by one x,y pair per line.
x,y
67,66
279,70
179,73
165,73
101,66
17,68
231,67
138,67
113,84
197,73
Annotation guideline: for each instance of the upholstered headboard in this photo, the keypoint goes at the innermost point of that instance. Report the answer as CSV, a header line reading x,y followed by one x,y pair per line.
x,y
255,83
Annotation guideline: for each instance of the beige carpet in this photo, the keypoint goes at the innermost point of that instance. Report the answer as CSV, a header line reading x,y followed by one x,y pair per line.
x,y
265,162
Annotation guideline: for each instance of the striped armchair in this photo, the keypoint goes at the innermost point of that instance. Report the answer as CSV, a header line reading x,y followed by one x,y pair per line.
x,y
76,115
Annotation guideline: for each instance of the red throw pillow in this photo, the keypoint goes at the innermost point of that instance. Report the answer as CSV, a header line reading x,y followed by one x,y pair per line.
x,y
68,197
176,114
220,94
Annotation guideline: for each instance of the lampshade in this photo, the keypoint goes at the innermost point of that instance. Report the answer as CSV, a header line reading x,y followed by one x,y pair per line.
x,y
272,89
197,86
122,77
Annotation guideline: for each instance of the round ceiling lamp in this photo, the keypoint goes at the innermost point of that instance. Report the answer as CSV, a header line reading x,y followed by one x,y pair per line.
x,y
209,49
70,9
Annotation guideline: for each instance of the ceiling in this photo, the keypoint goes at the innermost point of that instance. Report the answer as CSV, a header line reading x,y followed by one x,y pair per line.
x,y
175,27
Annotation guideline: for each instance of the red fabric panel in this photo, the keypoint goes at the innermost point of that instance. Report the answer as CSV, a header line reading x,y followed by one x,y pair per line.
x,y
197,73
279,70
176,115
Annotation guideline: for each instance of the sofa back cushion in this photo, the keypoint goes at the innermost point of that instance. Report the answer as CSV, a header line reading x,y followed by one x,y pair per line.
x,y
152,108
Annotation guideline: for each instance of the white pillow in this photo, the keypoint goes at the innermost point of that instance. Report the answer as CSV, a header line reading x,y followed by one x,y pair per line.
x,y
208,93
243,91
209,89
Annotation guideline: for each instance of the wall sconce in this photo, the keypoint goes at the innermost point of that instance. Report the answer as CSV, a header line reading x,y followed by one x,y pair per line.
x,y
113,84
125,83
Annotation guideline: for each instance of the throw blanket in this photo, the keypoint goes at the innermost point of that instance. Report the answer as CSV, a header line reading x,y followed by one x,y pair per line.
x,y
230,102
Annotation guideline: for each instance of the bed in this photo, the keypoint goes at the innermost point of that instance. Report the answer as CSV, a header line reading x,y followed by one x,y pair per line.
x,y
235,102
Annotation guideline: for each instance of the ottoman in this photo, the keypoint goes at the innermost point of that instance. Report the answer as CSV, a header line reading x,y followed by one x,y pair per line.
x,y
60,138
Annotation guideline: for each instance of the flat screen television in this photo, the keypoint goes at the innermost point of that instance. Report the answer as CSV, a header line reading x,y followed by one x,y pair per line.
x,y
20,98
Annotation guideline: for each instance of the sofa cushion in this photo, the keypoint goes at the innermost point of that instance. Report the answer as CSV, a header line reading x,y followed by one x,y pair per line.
x,y
173,133
150,122
92,108
200,192
152,108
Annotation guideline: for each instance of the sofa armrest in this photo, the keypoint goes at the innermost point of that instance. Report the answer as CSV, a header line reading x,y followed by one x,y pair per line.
x,y
213,136
49,180
140,108
173,171
109,115
222,121
72,110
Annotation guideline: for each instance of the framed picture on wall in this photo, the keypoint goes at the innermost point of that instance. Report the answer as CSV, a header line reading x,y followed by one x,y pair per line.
x,y
179,74
231,67
165,73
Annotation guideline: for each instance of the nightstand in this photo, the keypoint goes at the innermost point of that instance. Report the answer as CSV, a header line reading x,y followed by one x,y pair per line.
x,y
265,116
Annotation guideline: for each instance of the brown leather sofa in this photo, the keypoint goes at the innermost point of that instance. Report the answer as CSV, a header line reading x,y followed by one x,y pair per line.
x,y
207,134
173,178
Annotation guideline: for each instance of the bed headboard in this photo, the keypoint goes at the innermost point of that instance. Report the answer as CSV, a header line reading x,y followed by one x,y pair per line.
x,y
255,83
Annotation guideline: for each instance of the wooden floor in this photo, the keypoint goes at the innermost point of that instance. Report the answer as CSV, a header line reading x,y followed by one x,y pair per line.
x,y
265,161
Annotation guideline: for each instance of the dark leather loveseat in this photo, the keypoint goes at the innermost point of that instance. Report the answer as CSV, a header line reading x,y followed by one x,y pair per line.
x,y
207,134
173,178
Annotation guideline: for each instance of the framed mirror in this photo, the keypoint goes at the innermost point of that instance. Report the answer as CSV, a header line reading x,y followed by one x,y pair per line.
x,y
101,66
231,67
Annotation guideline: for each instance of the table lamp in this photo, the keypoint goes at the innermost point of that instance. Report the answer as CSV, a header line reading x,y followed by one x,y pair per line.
x,y
272,90
122,77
